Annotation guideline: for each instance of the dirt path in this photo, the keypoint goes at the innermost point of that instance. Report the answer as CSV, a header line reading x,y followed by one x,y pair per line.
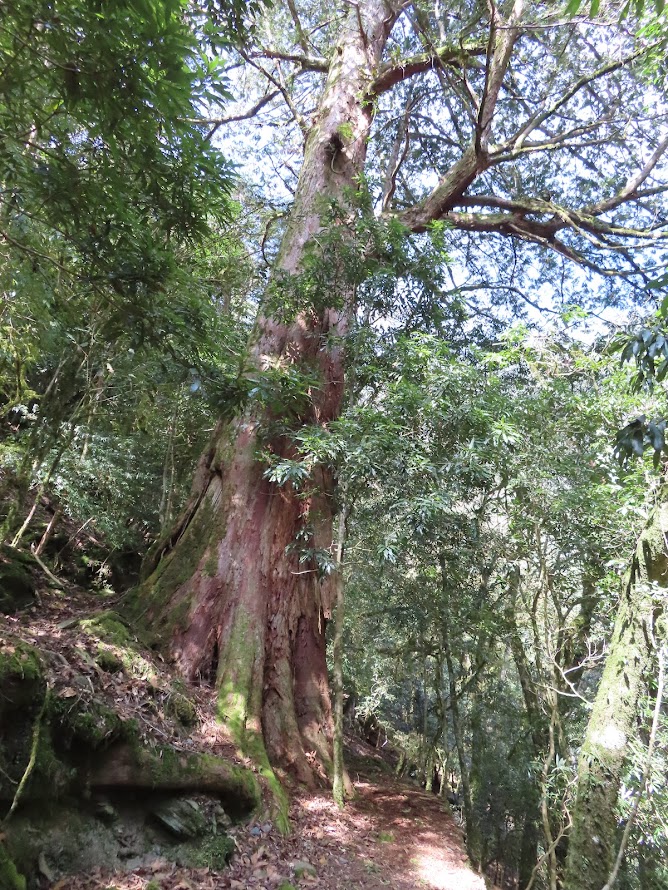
x,y
392,836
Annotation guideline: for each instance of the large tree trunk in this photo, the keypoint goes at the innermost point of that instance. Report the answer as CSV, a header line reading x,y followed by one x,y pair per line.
x,y
228,596
592,843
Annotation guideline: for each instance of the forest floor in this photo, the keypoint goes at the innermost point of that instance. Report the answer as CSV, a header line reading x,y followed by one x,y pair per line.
x,y
393,834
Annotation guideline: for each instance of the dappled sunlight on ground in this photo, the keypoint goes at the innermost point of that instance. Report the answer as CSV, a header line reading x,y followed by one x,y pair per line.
x,y
420,844
392,835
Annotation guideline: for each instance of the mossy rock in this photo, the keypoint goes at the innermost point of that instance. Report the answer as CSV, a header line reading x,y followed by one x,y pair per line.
x,y
182,708
108,661
117,647
23,689
17,584
109,627
10,879
210,852
66,837
92,726
20,663
182,817
161,769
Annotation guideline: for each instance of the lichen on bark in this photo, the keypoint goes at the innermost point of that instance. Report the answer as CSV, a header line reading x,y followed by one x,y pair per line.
x,y
593,839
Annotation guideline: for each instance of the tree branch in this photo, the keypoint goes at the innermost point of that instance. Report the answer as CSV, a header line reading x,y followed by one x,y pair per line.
x,y
448,56
397,156
586,80
499,50
282,89
301,36
633,184
242,116
307,62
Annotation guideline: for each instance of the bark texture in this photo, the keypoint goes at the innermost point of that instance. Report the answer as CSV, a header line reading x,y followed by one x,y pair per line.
x,y
225,587
226,591
593,839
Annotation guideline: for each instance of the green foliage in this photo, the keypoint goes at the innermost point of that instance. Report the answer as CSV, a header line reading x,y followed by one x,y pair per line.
x,y
123,311
647,347
100,165
635,7
488,473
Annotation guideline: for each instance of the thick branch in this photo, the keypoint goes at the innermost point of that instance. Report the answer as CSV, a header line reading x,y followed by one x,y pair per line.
x,y
475,158
301,36
563,217
445,56
449,190
501,43
516,225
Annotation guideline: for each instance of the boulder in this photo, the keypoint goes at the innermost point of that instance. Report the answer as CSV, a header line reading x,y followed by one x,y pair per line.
x,y
182,817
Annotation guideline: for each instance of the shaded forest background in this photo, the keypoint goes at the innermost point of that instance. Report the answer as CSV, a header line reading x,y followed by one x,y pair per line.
x,y
498,455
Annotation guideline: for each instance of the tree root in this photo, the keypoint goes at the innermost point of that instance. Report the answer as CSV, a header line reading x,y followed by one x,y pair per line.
x,y
167,769
36,734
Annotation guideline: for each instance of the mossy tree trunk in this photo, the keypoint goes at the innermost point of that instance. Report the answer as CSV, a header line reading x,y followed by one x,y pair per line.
x,y
227,594
593,839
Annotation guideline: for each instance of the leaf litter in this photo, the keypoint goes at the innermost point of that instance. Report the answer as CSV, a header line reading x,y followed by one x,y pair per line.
x,y
392,835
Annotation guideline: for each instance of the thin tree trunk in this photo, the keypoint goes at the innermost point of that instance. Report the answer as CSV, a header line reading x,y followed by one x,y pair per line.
x,y
165,516
610,883
16,540
592,843
341,785
472,834
467,799
48,531
539,740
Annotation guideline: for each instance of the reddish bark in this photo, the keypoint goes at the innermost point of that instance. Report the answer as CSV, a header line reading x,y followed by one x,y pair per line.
x,y
228,590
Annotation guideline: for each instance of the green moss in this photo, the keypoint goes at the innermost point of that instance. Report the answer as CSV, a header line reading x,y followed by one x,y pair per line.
x,y
10,879
116,646
234,704
152,604
232,711
211,565
95,727
181,564
212,852
287,886
17,585
180,707
108,661
108,626
18,661
52,777
178,616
